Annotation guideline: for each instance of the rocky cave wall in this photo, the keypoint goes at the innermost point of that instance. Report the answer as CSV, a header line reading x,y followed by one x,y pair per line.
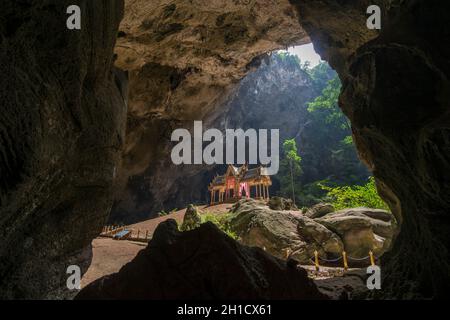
x,y
274,96
184,59
396,94
61,131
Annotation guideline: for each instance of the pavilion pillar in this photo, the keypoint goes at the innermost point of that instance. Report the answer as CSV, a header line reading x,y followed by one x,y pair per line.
x,y
268,196
211,202
264,191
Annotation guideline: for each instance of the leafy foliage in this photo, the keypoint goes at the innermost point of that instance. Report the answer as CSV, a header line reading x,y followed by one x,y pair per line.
x,y
290,169
321,74
293,59
355,196
221,221
291,153
327,105
325,145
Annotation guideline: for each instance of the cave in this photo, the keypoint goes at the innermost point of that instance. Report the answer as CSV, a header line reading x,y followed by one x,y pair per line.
x,y
84,110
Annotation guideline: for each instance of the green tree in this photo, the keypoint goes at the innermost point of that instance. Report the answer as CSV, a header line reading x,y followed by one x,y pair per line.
x,y
321,74
290,168
332,131
327,105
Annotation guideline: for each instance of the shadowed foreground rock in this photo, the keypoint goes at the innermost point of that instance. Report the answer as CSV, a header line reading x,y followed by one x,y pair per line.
x,y
202,264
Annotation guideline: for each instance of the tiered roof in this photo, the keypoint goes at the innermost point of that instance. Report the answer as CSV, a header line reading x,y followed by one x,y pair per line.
x,y
242,173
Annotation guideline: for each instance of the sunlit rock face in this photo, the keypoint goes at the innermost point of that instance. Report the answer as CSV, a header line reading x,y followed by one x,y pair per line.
x,y
61,130
182,54
396,94
184,60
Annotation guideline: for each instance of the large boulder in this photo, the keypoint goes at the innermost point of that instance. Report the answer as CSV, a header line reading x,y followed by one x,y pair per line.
x,y
191,219
279,203
362,230
319,238
202,264
319,210
281,233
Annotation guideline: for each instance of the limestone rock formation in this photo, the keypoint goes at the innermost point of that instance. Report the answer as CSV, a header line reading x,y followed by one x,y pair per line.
x,y
351,286
62,121
185,58
317,237
281,233
399,70
191,219
62,128
290,234
279,203
319,210
202,264
362,230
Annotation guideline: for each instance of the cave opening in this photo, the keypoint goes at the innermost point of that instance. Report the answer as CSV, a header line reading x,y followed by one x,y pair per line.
x,y
376,112
67,158
295,92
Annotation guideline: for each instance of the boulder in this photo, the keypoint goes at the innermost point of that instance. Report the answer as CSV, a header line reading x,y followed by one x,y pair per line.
x,y
192,219
281,233
319,210
202,264
362,230
279,203
319,238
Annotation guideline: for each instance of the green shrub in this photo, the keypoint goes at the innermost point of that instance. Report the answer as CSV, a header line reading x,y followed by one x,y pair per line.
x,y
355,196
221,221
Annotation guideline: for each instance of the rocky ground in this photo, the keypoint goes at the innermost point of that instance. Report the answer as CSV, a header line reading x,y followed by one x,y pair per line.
x,y
296,234
109,256
203,263
274,231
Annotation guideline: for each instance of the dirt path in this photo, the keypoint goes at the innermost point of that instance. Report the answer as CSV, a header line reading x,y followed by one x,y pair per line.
x,y
109,256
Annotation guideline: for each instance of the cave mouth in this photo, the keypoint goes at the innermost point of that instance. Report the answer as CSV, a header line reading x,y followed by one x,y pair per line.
x,y
384,138
66,157
296,93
